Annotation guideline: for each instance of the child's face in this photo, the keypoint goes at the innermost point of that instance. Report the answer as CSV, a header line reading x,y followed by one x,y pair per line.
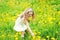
x,y
30,14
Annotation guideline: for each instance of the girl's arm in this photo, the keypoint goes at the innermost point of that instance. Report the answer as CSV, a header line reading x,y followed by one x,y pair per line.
x,y
29,29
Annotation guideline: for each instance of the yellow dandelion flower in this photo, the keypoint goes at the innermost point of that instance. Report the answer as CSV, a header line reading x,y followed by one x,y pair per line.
x,y
0,19
7,14
50,22
33,37
47,36
17,14
43,39
35,33
58,12
13,18
59,22
4,18
3,35
53,38
50,18
38,37
16,33
54,18
16,38
56,31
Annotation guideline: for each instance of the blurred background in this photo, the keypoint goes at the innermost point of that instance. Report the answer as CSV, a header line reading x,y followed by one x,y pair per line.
x,y
46,25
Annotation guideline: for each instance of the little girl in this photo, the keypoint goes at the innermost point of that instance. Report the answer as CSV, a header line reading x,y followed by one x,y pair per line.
x,y
22,22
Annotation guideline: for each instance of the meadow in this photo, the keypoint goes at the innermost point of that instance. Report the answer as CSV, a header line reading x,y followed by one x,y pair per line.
x,y
47,19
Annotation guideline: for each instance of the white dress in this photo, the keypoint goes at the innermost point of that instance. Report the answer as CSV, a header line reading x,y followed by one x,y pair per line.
x,y
19,25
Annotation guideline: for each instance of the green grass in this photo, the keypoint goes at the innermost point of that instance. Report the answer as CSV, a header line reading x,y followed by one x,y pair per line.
x,y
47,15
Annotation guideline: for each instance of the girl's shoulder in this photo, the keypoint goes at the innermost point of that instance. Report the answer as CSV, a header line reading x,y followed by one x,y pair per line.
x,y
21,15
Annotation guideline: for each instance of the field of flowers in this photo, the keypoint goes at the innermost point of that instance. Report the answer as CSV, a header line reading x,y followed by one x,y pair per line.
x,y
47,19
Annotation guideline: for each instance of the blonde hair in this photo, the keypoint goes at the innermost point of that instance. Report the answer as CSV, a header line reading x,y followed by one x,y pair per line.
x,y
27,13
